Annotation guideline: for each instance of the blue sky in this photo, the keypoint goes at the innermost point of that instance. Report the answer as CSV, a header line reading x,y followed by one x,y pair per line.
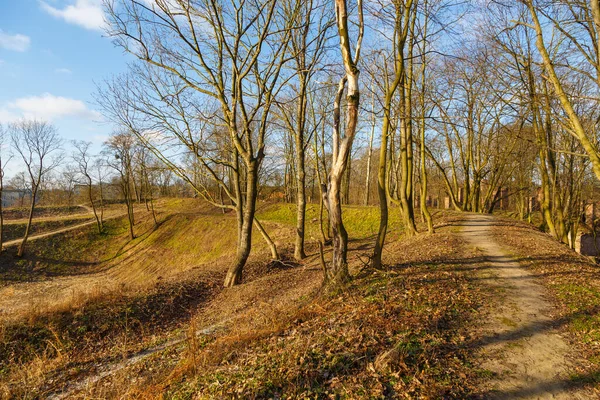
x,y
52,54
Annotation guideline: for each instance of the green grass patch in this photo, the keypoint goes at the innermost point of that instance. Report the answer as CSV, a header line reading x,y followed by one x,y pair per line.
x,y
361,222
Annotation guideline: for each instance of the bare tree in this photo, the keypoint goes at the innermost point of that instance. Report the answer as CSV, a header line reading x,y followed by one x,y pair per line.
x,y
36,142
307,47
119,154
66,181
100,168
144,160
224,59
83,160
422,120
589,47
337,271
4,159
401,15
20,181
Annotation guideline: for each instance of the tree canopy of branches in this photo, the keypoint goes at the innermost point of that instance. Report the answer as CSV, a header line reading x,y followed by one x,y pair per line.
x,y
37,142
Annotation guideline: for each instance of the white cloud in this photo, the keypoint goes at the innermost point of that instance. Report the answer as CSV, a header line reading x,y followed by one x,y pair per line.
x,y
100,138
7,116
47,107
16,42
63,71
85,13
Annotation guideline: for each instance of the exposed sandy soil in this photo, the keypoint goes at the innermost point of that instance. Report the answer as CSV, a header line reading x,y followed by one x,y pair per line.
x,y
521,345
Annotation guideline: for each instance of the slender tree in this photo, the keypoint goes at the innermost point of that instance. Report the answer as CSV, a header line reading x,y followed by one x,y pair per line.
x,y
4,159
577,125
337,271
227,54
119,153
36,142
307,48
401,14
83,160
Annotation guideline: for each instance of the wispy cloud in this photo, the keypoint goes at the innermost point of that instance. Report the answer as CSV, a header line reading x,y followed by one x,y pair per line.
x,y
85,13
66,71
47,107
7,116
100,138
16,42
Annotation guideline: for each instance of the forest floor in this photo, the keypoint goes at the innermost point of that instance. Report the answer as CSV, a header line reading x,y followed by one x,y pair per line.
x,y
487,307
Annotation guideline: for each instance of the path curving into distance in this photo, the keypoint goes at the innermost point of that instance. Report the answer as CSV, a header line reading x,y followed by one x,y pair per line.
x,y
521,344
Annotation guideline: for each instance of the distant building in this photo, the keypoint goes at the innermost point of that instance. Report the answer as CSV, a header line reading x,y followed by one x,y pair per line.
x,y
15,197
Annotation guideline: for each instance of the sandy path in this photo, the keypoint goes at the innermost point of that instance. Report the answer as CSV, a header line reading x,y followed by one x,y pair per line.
x,y
21,221
520,344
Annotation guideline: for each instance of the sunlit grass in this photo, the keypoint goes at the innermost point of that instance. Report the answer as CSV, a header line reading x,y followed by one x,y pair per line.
x,y
360,221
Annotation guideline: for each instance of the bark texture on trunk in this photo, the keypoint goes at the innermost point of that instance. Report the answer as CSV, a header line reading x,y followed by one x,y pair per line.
x,y
382,188
91,197
337,271
300,197
234,274
272,246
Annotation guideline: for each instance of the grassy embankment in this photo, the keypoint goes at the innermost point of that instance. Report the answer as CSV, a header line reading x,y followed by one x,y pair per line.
x,y
403,329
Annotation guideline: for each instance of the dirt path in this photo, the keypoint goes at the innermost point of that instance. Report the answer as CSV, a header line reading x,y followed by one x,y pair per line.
x,y
48,219
529,357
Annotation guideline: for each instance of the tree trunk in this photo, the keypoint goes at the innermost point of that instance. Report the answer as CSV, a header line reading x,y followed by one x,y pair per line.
x,y
369,156
268,240
130,218
324,237
129,204
338,270
101,202
234,275
150,193
300,197
405,184
21,250
382,185
424,208
91,197
406,141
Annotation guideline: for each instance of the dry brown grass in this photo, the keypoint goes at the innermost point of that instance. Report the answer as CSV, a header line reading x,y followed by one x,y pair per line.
x,y
115,301
284,339
276,335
